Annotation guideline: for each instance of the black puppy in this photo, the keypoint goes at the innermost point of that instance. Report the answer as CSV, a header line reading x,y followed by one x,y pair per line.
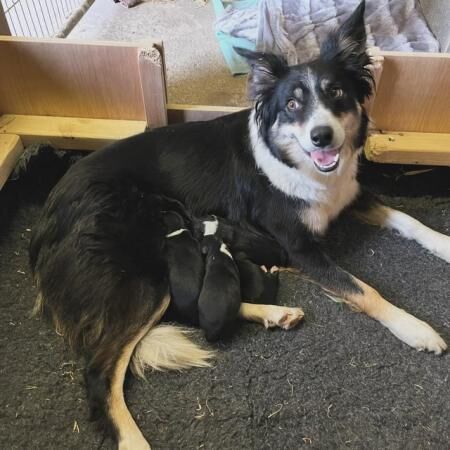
x,y
249,248
220,297
186,270
204,283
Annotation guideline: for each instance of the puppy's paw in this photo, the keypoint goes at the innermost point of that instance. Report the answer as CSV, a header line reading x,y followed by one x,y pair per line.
x,y
415,332
283,317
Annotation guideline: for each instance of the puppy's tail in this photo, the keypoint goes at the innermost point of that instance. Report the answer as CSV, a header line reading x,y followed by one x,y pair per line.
x,y
169,347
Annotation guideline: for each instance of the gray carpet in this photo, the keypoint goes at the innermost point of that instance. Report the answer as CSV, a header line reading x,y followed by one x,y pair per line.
x,y
340,380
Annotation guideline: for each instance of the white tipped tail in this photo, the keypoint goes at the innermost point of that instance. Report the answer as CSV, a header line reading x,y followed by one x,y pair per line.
x,y
168,347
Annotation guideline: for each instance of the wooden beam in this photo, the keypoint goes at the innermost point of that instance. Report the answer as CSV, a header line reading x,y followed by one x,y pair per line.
x,y
377,70
69,133
153,85
409,148
11,148
192,113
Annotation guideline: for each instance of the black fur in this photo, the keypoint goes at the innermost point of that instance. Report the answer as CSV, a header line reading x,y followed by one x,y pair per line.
x,y
186,271
220,297
257,286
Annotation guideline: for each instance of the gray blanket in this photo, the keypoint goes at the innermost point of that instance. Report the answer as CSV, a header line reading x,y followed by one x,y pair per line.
x,y
296,28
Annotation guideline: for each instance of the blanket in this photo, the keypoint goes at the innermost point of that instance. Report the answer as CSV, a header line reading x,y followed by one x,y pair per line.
x,y
296,28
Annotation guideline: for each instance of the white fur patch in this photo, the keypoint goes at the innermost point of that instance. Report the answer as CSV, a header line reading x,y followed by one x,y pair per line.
x,y
210,227
410,228
224,249
169,347
327,193
176,233
413,331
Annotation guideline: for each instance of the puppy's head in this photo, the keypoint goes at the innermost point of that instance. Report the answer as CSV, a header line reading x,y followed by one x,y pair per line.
x,y
311,114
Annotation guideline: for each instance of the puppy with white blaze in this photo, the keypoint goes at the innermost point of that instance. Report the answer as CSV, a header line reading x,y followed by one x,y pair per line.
x,y
286,167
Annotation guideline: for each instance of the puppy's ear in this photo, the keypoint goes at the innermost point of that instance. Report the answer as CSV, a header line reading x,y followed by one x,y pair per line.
x,y
265,70
346,47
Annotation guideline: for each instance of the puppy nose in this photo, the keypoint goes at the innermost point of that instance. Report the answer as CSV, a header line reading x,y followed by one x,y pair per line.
x,y
321,136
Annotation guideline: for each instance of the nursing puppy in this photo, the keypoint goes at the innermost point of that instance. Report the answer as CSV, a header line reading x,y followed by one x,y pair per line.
x,y
186,270
210,281
287,166
220,298
249,247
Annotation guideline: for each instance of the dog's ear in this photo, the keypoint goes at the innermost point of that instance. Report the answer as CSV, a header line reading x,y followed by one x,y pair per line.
x,y
346,47
265,70
347,44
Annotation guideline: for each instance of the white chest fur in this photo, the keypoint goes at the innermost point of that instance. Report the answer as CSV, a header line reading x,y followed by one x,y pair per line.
x,y
326,194
318,215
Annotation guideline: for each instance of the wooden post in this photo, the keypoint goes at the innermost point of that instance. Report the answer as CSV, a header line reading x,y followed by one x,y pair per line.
x,y
153,85
11,148
4,27
376,69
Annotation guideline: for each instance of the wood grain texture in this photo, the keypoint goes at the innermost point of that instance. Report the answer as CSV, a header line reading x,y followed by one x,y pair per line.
x,y
413,93
11,148
153,85
69,133
59,77
409,148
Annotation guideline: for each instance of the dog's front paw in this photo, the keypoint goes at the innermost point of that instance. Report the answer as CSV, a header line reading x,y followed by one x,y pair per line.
x,y
283,317
415,332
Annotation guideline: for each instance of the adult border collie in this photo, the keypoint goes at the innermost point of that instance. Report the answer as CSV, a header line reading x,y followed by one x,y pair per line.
x,y
287,166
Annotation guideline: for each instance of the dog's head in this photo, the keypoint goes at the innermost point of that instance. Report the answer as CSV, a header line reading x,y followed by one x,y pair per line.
x,y
312,114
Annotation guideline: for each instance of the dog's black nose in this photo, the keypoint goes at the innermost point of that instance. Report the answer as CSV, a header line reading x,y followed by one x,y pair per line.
x,y
321,136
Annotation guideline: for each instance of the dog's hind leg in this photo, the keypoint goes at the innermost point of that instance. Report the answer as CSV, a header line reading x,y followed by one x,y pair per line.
x,y
410,228
105,375
271,315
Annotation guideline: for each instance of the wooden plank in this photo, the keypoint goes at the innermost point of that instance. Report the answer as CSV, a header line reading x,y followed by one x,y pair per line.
x,y
413,93
192,113
69,133
409,148
4,27
11,148
153,85
377,70
64,78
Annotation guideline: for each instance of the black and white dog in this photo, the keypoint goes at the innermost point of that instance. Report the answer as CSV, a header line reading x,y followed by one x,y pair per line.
x,y
287,166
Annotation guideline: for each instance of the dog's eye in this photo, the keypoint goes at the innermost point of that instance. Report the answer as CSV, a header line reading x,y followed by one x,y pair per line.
x,y
292,104
335,92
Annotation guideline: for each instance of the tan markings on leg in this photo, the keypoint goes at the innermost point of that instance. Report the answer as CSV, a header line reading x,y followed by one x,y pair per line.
x,y
38,305
271,315
410,228
289,270
403,325
129,434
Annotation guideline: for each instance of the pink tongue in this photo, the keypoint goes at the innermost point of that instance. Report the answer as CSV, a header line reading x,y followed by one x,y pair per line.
x,y
324,158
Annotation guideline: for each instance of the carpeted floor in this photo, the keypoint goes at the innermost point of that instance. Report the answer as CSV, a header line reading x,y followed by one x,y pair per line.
x,y
340,380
